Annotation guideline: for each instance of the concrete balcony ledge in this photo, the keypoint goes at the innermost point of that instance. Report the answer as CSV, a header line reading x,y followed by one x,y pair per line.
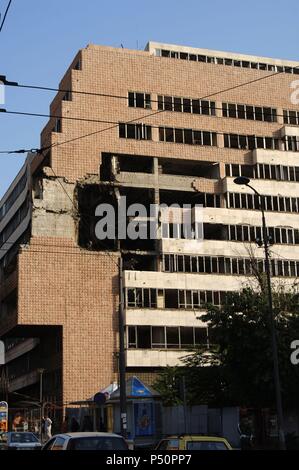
x,y
23,381
167,181
164,317
155,357
277,157
190,281
223,215
223,248
20,349
266,187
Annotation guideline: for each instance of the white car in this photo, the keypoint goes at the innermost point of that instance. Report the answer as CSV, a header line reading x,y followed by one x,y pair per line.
x,y
20,441
86,441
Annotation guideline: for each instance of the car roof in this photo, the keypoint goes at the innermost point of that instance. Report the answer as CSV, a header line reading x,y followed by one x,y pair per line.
x,y
87,434
194,437
19,432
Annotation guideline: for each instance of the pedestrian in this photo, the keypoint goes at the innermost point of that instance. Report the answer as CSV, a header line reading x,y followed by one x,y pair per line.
x,y
65,425
48,427
43,428
36,428
74,425
87,424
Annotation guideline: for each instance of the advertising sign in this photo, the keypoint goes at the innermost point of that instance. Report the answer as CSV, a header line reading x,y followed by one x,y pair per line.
x,y
3,416
144,418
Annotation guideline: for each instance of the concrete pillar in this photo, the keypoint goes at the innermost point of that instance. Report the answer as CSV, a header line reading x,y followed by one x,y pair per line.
x,y
280,116
218,108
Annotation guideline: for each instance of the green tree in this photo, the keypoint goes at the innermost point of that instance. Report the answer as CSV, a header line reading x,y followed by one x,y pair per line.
x,y
239,370
241,329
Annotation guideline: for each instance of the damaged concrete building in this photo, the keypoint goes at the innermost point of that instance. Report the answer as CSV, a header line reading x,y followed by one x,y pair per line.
x,y
166,125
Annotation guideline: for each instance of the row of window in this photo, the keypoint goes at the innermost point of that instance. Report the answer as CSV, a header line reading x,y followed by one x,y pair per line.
x,y
244,111
290,117
227,265
226,61
168,337
186,105
135,131
272,203
207,107
19,188
246,233
137,297
14,222
250,142
242,233
187,136
198,137
188,232
264,171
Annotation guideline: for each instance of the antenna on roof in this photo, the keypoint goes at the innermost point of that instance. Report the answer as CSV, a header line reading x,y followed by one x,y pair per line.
x,y
122,46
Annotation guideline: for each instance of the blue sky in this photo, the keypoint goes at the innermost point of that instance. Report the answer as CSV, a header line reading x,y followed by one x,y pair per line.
x,y
40,38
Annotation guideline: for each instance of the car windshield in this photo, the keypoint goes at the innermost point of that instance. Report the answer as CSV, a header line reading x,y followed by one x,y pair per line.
x,y
98,443
23,437
206,445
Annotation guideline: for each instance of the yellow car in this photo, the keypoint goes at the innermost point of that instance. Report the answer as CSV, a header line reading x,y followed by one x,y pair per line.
x,y
193,442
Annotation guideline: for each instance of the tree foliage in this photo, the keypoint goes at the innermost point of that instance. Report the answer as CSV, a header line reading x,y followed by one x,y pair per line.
x,y
239,370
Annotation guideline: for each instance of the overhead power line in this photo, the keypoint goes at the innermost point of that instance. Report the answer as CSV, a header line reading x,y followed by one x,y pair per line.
x,y
108,95
224,90
75,118
5,15
114,125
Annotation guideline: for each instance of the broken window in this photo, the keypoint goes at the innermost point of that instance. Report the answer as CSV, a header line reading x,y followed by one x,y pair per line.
x,y
160,102
200,336
144,337
139,100
172,337
187,337
171,298
158,337
135,131
186,105
67,96
291,117
57,125
78,65
169,134
177,104
132,337
241,111
188,136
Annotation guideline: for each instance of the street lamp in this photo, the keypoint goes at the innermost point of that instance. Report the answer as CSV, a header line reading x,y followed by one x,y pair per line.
x,y
244,181
40,371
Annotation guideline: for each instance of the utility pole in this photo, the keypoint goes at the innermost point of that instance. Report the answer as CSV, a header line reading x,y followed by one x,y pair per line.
x,y
121,334
122,355
242,180
40,371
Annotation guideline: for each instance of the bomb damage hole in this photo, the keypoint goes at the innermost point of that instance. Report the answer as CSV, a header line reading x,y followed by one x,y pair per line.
x,y
91,196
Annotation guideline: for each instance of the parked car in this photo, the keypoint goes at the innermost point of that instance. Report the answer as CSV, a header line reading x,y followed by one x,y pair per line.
x,y
19,441
86,441
193,442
